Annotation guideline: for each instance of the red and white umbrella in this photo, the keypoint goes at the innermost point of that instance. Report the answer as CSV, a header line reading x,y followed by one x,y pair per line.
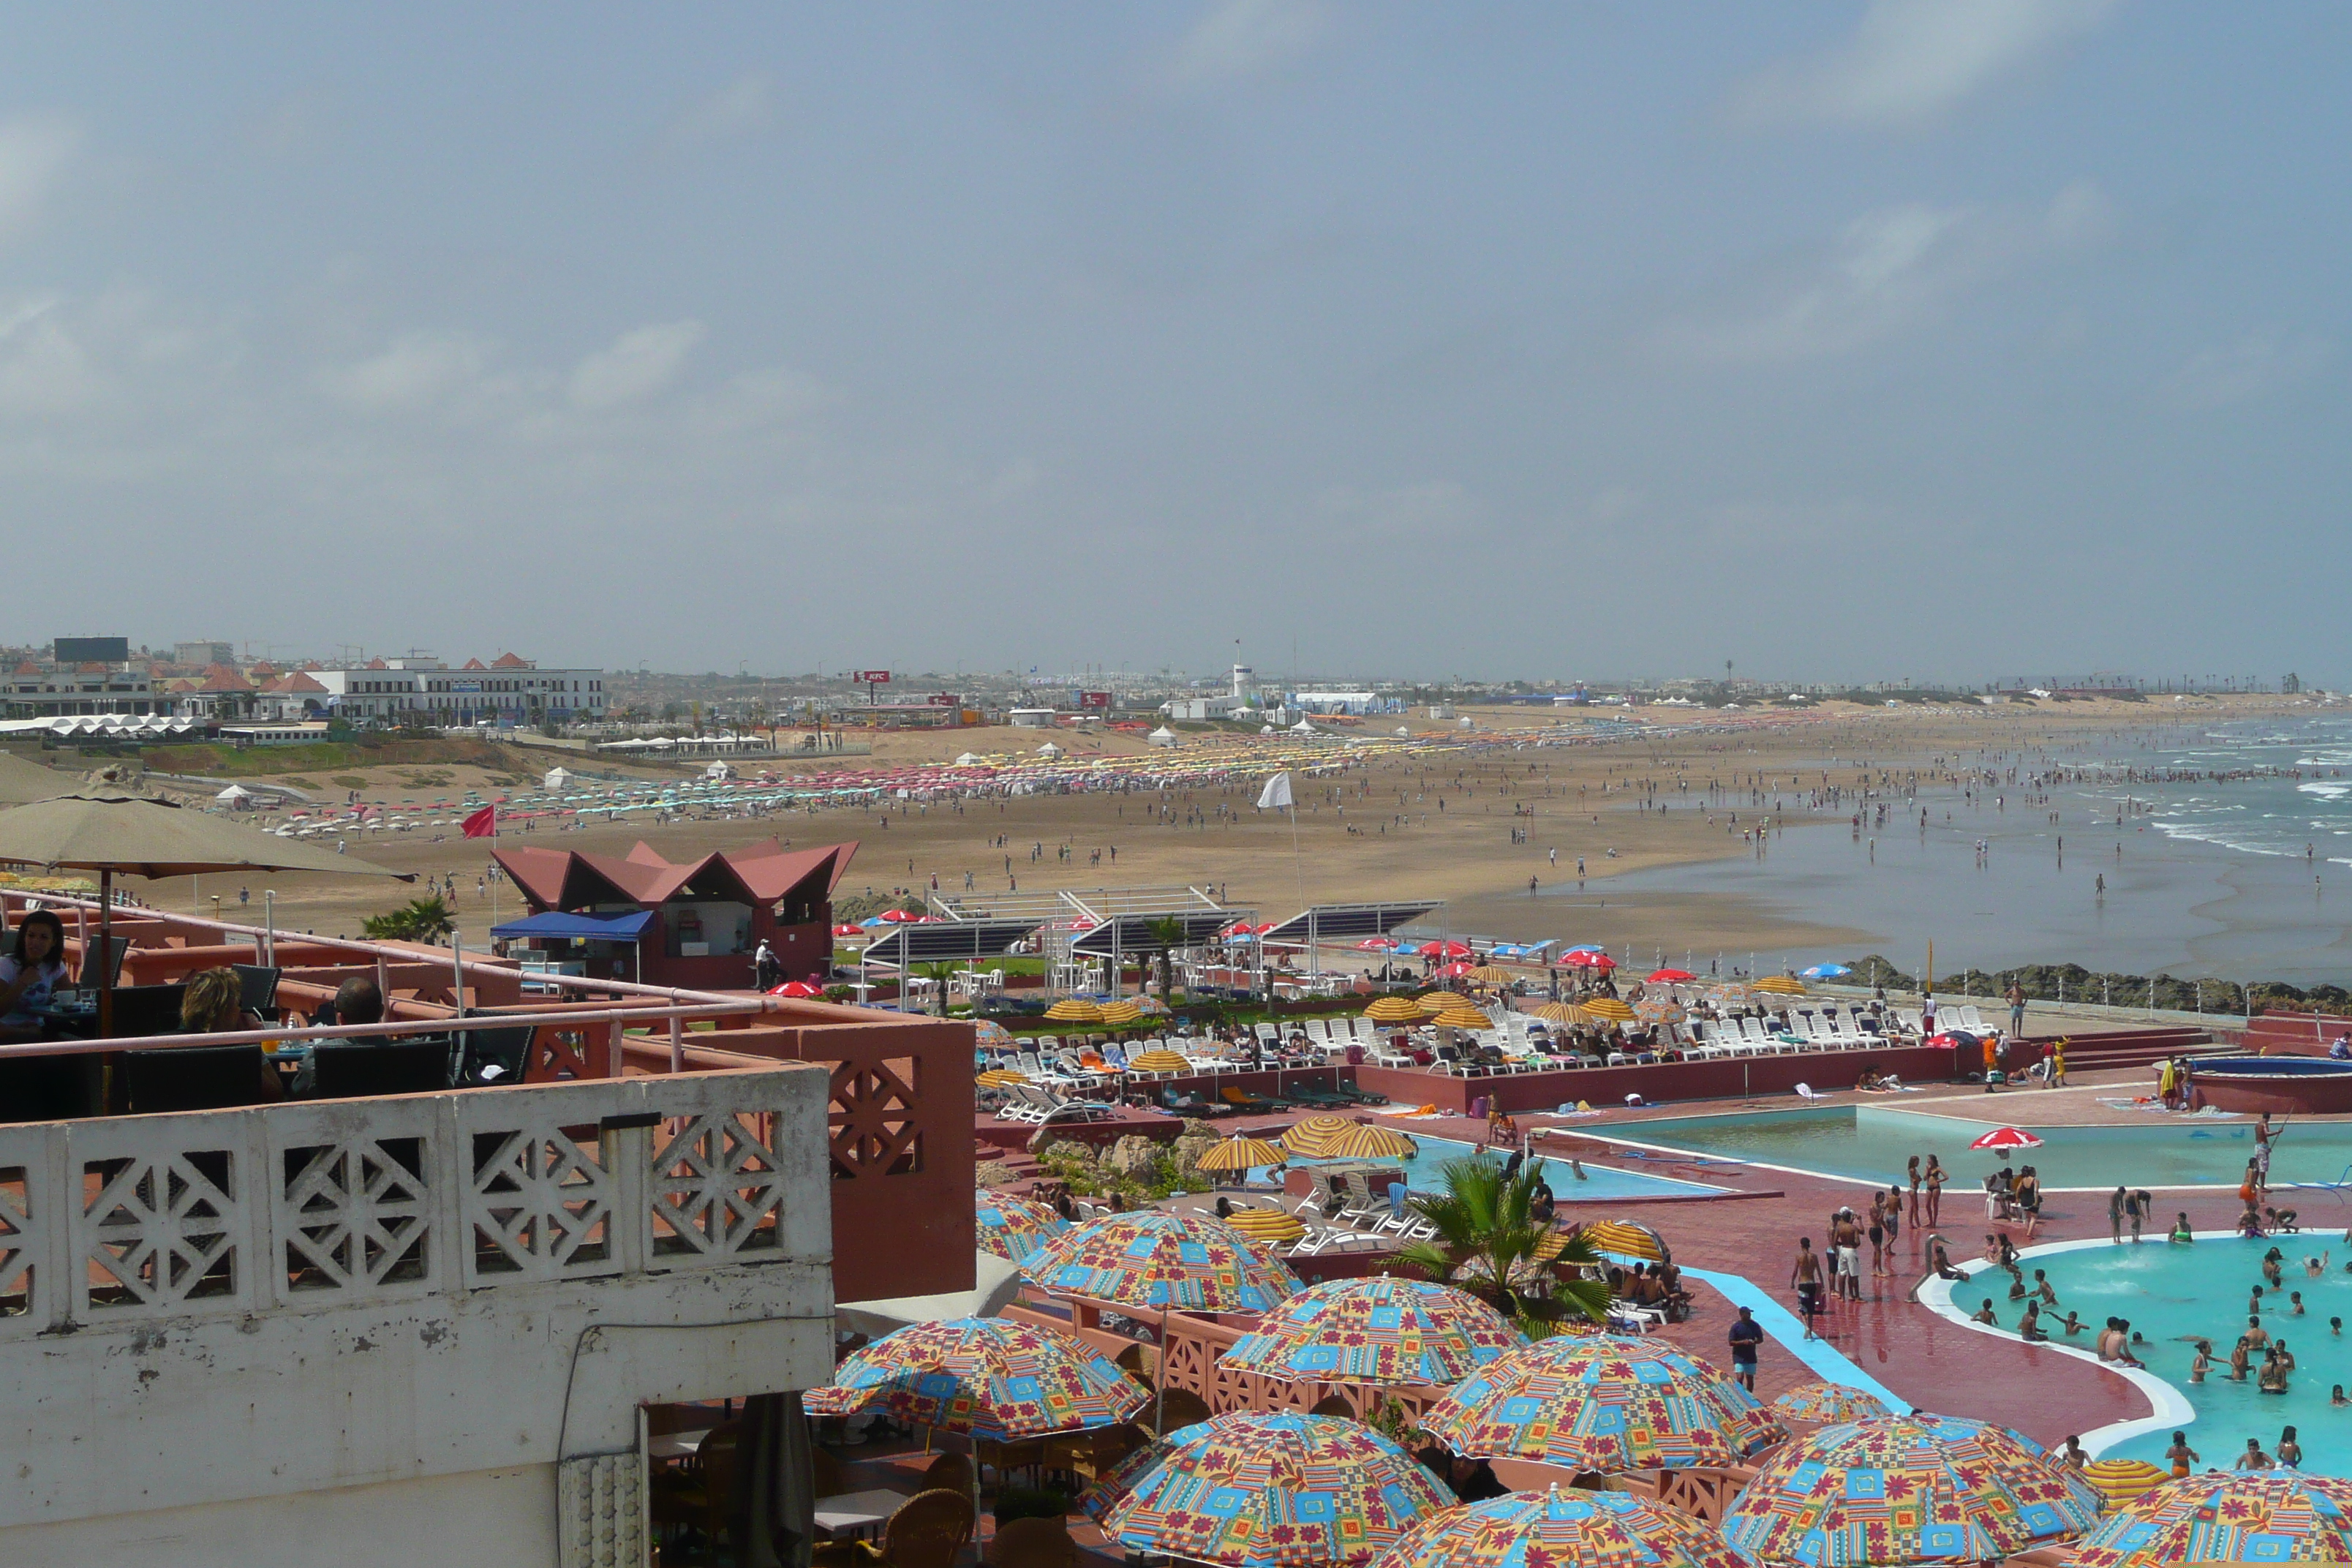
x,y
1589,958
2006,1138
1443,950
1670,977
795,988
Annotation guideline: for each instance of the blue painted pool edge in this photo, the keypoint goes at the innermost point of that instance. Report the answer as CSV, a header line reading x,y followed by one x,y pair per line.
x,y
1788,1333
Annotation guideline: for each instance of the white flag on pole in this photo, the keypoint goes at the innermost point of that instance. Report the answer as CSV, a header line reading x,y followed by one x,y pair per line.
x,y
1277,793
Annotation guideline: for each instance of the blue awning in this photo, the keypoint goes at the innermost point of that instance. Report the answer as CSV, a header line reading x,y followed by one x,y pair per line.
x,y
595,927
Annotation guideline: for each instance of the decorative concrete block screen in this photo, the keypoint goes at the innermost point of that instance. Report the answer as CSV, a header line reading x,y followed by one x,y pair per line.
x,y
132,1219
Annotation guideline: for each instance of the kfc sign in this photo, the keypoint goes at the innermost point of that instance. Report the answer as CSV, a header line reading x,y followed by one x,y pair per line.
x,y
873,677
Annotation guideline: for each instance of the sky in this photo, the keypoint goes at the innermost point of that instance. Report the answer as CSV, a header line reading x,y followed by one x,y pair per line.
x,y
1842,341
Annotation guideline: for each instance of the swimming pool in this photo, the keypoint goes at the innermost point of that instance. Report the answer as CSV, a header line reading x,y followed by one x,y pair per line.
x,y
2172,1294
1424,1173
1871,1142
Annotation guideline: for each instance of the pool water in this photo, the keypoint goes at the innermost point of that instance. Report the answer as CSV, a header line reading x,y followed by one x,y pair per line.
x,y
1424,1172
2171,1294
1874,1142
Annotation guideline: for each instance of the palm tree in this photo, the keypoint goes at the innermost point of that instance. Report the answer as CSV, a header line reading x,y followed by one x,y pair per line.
x,y
419,920
1167,936
1487,1242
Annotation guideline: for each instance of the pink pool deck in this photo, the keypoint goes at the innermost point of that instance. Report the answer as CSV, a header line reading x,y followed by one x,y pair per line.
x,y
1935,1363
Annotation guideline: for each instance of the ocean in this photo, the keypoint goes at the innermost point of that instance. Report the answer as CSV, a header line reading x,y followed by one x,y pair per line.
x,y
2222,852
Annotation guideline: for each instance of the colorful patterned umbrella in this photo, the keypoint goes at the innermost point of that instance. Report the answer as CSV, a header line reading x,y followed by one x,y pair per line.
x,y
985,1377
989,1035
1823,1403
1155,1258
1312,1138
2122,1481
1380,1329
2274,1516
1241,1154
1909,1488
1563,1529
1254,1489
1660,1010
1015,1228
1118,1480
1601,1401
1368,1141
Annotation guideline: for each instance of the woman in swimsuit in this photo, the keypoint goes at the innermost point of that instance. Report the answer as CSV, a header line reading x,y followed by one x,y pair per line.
x,y
1936,1179
2181,1455
2203,1362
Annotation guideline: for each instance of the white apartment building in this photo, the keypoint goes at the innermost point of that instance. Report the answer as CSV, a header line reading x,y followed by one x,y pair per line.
x,y
510,690
33,691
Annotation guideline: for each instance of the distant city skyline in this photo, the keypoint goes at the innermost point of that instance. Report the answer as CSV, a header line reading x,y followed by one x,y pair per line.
x,y
1833,338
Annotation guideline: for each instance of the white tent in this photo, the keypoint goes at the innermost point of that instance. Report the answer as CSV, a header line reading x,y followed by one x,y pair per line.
x,y
662,743
1049,750
236,795
1407,733
1302,728
719,771
1163,736
557,778
967,760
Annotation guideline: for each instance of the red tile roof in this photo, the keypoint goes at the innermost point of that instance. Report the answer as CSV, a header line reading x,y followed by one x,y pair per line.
x,y
510,661
760,873
474,664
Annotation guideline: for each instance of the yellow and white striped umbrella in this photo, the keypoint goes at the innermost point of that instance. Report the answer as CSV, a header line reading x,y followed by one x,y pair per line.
x,y
1241,1154
1624,1236
1118,1015
1001,1078
1075,1010
1365,1141
1158,1061
2122,1480
1266,1226
1607,1009
1393,1010
1781,986
1312,1138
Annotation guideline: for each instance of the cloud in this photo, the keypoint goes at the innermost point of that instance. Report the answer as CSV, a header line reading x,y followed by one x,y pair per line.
x,y
421,369
1887,271
2254,366
1236,39
637,365
1913,60
739,109
1401,512
32,153
45,368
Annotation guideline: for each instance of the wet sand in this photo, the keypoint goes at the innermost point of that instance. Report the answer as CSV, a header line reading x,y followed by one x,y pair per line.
x,y
1374,832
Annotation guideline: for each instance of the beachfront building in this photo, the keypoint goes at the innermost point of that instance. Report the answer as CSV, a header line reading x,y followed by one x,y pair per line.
x,y
643,918
510,691
34,690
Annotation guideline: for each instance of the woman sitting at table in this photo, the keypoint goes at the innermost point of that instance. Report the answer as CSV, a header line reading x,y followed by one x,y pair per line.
x,y
32,970
214,1004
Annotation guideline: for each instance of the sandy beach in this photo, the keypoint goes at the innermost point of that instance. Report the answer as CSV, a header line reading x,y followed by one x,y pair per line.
x,y
1470,832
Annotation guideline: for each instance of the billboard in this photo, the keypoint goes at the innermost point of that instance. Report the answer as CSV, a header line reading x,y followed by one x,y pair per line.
x,y
92,650
1093,699
872,677
943,700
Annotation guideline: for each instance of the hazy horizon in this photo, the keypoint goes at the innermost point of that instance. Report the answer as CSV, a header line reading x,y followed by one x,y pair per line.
x,y
1850,337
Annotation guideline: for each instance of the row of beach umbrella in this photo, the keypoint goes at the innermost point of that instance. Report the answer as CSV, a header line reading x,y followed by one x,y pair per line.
x,y
1257,1490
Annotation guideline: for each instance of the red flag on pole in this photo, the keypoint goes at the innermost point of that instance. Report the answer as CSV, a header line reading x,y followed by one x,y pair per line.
x,y
483,824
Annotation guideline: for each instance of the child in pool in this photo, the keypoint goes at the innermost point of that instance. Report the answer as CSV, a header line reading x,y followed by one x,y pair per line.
x,y
2070,1322
2294,1303
2336,1397
2181,1231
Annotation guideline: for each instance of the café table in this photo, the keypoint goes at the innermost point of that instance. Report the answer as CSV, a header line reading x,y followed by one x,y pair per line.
x,y
855,1514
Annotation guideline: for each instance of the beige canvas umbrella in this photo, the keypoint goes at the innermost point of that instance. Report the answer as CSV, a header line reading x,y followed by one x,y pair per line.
x,y
106,833
22,783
